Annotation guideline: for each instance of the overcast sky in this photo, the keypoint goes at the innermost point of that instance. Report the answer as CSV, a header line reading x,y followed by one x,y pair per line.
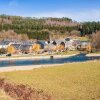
x,y
78,10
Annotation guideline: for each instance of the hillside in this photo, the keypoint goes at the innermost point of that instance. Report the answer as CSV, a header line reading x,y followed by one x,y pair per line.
x,y
43,28
39,28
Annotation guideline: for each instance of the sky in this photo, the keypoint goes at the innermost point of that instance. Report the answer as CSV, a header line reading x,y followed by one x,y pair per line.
x,y
78,10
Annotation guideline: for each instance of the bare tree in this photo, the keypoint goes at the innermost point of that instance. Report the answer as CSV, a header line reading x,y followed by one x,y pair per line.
x,y
12,35
96,39
23,37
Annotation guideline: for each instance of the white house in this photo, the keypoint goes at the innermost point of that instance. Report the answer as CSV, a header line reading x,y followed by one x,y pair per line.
x,y
5,44
72,44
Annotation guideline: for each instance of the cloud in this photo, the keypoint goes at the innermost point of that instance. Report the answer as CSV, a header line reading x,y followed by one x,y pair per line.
x,y
13,3
89,15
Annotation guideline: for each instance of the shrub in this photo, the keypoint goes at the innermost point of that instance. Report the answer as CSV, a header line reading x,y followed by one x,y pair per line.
x,y
96,39
3,51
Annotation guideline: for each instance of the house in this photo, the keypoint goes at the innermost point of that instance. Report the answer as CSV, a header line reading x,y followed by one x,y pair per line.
x,y
61,46
84,45
26,48
5,44
14,48
41,43
55,45
49,46
72,44
38,46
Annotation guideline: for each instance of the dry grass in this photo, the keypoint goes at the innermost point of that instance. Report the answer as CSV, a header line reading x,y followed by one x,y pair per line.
x,y
83,38
4,96
77,81
22,92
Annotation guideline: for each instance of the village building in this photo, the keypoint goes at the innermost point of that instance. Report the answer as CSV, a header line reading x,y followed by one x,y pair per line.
x,y
26,48
84,45
14,48
5,44
38,47
72,44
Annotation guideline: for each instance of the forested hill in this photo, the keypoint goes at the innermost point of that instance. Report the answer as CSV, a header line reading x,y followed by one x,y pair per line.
x,y
42,28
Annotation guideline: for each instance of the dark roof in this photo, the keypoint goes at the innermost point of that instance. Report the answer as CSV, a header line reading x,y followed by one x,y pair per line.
x,y
25,47
67,39
6,42
17,46
42,43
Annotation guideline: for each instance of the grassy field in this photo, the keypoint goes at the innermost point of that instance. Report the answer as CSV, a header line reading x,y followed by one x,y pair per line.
x,y
96,52
77,81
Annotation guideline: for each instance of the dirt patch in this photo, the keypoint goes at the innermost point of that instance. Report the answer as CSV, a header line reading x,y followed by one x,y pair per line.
x,y
22,92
